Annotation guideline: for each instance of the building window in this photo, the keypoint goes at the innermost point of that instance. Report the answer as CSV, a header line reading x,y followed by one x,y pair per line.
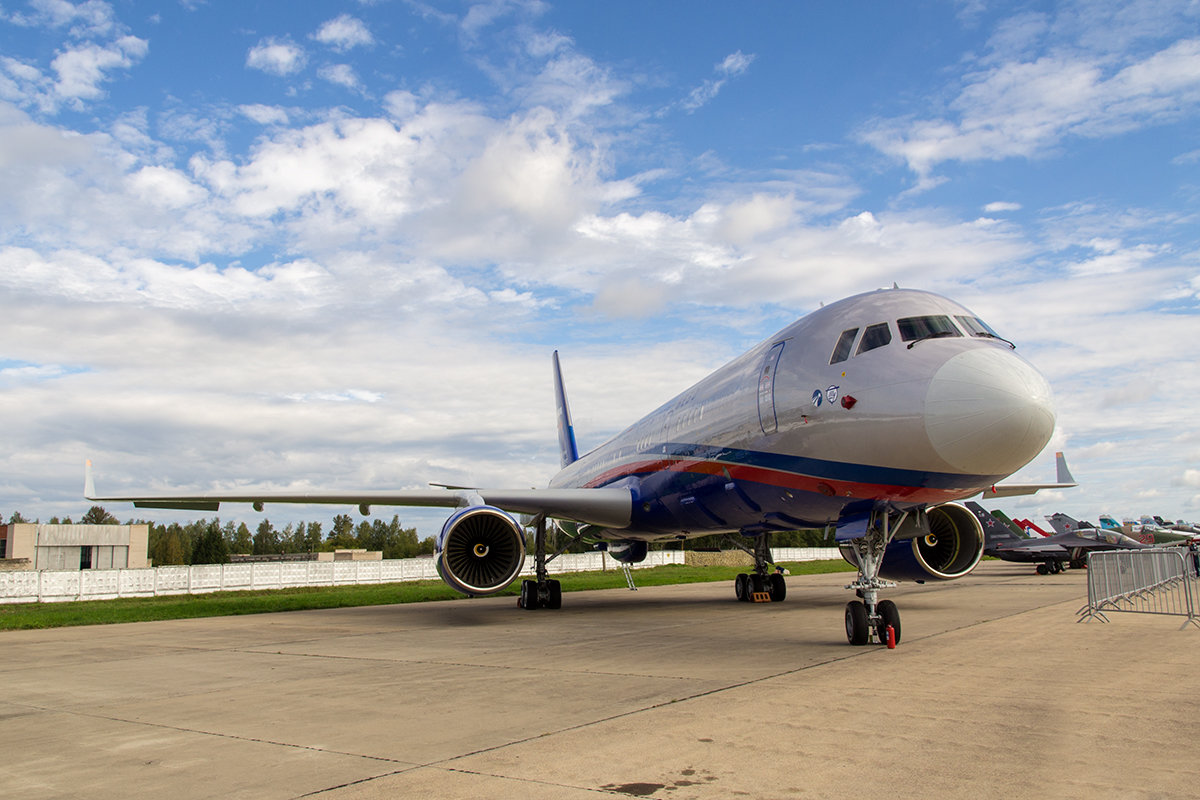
x,y
85,557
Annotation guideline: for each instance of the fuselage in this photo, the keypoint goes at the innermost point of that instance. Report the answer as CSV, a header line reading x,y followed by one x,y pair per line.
x,y
897,396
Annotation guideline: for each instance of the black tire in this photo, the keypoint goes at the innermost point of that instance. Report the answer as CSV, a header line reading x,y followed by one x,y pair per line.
x,y
740,587
553,594
1043,569
778,588
857,626
888,615
529,595
754,585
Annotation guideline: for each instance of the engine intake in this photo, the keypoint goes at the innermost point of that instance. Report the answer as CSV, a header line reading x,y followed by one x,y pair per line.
x,y
948,548
480,550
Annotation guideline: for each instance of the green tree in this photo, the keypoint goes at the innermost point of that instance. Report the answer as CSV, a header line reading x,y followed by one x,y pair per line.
x,y
341,535
167,545
210,546
312,537
266,539
17,518
98,516
242,541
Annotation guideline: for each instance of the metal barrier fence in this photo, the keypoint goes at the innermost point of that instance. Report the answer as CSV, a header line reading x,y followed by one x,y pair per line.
x,y
1153,581
49,586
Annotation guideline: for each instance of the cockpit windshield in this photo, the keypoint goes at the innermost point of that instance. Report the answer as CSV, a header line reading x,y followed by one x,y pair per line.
x,y
914,329
976,327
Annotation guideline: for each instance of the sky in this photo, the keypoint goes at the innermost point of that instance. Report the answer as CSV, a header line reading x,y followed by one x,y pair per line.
x,y
333,245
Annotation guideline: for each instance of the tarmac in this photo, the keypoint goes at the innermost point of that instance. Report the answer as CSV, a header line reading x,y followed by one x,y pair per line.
x,y
670,692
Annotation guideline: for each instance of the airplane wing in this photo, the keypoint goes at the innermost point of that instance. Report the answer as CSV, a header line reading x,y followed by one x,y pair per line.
x,y
1065,481
607,507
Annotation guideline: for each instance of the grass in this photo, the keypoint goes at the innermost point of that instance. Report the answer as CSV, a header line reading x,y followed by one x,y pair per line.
x,y
21,616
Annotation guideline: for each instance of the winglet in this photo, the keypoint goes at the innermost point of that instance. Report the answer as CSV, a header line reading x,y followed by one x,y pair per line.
x,y
567,449
89,487
1065,481
1064,474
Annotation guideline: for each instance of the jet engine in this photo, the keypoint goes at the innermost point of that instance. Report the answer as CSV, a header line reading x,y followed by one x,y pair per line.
x,y
480,550
628,551
943,544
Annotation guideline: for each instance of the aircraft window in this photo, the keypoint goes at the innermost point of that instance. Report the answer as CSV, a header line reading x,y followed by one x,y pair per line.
x,y
914,329
977,327
875,336
842,351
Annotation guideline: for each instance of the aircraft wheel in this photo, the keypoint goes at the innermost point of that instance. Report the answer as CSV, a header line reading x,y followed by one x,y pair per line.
x,y
1042,569
529,596
553,594
888,615
778,588
754,585
857,626
740,587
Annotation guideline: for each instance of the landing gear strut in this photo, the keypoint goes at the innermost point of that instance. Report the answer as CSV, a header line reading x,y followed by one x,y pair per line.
x,y
543,592
762,585
869,619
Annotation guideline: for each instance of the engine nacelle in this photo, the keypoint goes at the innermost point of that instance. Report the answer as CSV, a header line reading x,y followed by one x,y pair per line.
x,y
480,550
628,551
949,548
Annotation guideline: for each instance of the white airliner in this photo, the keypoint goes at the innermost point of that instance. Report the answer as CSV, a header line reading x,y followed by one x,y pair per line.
x,y
871,414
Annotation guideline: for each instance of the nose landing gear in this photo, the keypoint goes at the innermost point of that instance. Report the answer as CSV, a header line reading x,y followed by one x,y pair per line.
x,y
869,619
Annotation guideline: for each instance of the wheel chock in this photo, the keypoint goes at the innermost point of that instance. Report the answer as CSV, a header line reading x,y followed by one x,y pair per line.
x,y
760,597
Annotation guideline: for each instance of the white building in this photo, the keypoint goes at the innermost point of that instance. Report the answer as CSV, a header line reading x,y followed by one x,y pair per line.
x,y
65,547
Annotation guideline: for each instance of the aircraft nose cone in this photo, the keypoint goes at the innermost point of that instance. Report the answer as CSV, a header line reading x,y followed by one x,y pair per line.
x,y
988,412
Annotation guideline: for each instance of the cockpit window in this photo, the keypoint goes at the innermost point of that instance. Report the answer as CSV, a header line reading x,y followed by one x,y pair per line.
x,y
976,327
916,328
874,336
842,350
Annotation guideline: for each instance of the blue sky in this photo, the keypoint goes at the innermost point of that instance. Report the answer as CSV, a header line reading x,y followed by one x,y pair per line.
x,y
332,245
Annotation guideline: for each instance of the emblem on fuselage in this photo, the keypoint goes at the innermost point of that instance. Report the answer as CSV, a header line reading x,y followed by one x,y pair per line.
x,y
831,394
816,400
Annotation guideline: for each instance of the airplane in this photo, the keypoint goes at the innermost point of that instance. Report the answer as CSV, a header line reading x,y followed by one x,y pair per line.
x,y
872,414
1149,531
1053,553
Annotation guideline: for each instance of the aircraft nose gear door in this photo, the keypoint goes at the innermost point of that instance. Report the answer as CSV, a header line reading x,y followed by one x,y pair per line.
x,y
766,389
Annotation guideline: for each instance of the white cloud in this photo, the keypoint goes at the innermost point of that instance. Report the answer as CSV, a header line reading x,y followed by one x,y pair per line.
x,y
341,74
1025,107
732,65
89,18
344,33
1000,207
274,56
264,114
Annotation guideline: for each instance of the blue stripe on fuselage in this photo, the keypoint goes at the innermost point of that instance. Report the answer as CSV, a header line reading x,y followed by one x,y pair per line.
x,y
812,467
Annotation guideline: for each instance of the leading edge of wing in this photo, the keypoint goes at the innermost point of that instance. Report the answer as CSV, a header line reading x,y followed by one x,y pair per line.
x,y
607,507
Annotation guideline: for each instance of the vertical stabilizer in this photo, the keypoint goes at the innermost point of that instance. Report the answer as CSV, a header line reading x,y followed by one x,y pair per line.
x,y
567,449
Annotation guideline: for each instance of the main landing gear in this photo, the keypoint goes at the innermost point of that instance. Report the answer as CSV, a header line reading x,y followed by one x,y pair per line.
x,y
543,592
760,586
871,619
1050,568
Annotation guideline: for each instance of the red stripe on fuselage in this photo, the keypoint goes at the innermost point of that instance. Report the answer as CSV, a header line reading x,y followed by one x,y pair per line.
x,y
786,480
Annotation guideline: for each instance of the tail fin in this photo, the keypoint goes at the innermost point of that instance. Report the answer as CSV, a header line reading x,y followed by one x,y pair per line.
x,y
995,532
567,449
